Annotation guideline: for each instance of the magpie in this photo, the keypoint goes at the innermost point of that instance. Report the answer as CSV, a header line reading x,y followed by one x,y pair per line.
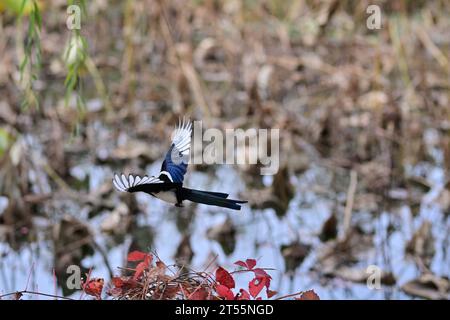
x,y
168,185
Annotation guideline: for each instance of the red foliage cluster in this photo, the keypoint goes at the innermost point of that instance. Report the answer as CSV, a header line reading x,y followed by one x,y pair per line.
x,y
93,287
261,280
156,281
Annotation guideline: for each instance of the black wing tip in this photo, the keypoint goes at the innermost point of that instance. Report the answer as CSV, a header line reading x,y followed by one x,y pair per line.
x,y
238,201
235,204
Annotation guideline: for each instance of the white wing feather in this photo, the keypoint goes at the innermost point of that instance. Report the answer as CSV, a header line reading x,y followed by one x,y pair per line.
x,y
181,137
122,184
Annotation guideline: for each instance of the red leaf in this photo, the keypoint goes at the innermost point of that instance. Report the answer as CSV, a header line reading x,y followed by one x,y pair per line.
x,y
94,287
139,270
308,295
243,295
251,263
224,277
256,285
224,292
270,293
198,294
121,284
267,282
261,273
117,282
137,256
241,264
248,264
145,259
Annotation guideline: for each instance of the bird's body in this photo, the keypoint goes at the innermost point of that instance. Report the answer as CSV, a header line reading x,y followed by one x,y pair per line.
x,y
168,186
167,196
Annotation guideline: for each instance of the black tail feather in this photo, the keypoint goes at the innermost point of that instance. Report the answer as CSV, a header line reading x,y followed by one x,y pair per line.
x,y
216,194
206,197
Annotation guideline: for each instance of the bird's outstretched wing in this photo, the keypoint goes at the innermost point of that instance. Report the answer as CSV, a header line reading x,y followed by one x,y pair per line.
x,y
177,158
136,183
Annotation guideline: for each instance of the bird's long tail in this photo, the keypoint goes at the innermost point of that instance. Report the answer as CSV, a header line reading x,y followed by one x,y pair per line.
x,y
212,198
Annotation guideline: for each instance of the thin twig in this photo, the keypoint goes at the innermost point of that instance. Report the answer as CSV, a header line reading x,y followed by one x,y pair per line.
x,y
29,276
289,295
36,293
249,270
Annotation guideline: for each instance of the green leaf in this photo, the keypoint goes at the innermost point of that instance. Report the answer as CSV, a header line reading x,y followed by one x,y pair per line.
x,y
5,141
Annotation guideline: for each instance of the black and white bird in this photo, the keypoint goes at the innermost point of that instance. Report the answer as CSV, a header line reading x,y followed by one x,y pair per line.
x,y
168,185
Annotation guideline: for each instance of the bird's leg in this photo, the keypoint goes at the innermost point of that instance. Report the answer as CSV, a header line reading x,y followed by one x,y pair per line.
x,y
179,198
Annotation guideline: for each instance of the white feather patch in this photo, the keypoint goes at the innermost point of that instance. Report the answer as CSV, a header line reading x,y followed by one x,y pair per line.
x,y
181,137
122,183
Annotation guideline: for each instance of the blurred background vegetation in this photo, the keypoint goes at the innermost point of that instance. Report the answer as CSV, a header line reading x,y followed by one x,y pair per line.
x,y
364,119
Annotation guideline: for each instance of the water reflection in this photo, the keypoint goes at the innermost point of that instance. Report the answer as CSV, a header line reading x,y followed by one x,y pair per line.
x,y
292,243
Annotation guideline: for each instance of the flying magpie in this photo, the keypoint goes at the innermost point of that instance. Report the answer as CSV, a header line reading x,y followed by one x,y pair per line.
x,y
168,185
